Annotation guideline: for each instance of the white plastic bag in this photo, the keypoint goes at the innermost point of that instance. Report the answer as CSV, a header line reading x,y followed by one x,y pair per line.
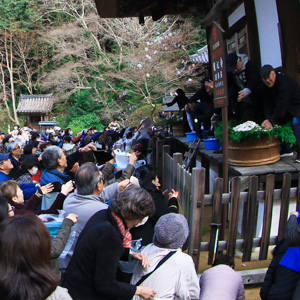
x,y
121,159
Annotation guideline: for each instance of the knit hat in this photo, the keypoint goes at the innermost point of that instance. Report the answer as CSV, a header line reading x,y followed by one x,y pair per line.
x,y
171,231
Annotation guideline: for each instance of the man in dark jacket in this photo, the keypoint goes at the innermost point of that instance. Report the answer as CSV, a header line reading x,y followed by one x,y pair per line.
x,y
181,100
15,151
244,88
201,113
281,100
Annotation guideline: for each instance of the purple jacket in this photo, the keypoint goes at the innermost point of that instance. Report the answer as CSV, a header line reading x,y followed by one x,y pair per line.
x,y
221,282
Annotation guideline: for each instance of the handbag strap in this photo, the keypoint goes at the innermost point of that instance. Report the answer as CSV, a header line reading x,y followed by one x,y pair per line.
x,y
158,265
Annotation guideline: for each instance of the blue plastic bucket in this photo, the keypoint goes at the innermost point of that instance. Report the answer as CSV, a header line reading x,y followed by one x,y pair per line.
x,y
53,227
191,136
211,144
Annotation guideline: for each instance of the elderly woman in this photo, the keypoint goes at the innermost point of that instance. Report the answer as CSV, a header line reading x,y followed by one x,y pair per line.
x,y
25,246
56,166
176,277
92,271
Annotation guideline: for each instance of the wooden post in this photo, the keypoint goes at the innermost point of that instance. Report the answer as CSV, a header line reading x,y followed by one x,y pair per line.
x,y
205,164
284,207
153,154
216,219
159,149
234,215
165,166
264,245
198,190
250,216
177,160
225,168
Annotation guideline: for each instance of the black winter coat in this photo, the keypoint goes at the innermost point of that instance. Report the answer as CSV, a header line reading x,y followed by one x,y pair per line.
x,y
293,238
16,172
280,282
282,101
181,101
91,273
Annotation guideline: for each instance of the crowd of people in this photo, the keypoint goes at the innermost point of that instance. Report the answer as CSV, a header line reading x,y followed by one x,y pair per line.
x,y
129,239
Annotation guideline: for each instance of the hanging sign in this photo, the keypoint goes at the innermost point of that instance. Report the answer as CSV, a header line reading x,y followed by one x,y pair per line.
x,y
218,67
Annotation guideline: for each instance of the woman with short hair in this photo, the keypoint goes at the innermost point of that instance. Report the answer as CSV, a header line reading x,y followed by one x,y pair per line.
x,y
93,271
11,190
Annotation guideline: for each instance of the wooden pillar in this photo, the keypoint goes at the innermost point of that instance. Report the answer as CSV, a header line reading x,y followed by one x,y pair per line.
x,y
197,210
165,167
159,149
177,159
153,154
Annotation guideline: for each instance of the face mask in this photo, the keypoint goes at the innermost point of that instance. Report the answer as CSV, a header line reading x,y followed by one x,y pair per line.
x,y
34,171
56,139
71,132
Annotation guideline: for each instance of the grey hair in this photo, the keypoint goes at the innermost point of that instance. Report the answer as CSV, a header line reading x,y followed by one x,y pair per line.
x,y
87,178
50,157
133,203
9,147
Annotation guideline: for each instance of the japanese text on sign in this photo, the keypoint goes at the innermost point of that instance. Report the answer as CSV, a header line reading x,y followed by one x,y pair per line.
x,y
218,67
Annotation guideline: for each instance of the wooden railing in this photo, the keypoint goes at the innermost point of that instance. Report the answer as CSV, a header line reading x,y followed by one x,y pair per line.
x,y
195,203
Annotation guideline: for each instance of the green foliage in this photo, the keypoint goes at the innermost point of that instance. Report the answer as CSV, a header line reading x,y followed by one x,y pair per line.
x,y
284,133
84,111
17,15
85,121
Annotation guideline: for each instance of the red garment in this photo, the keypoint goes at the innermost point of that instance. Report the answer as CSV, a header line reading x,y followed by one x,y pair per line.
x,y
37,176
125,232
77,138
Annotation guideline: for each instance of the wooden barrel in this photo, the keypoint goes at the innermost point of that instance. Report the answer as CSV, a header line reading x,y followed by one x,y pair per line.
x,y
253,152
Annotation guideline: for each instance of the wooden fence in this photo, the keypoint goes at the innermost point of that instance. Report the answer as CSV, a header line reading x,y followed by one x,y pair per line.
x,y
195,203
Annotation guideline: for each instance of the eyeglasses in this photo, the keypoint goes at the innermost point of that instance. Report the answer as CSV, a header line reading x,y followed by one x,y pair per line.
x,y
12,209
101,178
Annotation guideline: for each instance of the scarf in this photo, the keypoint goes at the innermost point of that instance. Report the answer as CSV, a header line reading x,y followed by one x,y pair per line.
x,y
49,176
125,232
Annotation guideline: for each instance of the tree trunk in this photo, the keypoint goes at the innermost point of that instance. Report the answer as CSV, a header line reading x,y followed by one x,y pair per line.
x,y
9,65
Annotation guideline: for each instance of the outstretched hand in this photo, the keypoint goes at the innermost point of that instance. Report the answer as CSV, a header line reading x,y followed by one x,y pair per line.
x,y
88,147
133,158
67,187
174,194
123,184
143,258
72,217
48,188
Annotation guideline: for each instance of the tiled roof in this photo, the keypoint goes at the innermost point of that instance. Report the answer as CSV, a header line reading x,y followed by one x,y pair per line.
x,y
200,56
35,104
